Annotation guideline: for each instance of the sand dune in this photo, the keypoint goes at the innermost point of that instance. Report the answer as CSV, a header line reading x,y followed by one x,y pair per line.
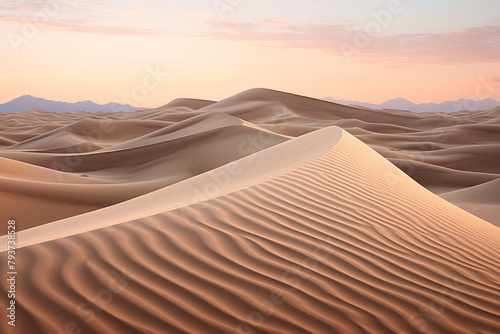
x,y
481,200
122,171
192,104
254,214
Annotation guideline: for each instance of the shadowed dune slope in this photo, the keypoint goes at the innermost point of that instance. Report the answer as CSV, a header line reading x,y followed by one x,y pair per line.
x,y
83,182
481,200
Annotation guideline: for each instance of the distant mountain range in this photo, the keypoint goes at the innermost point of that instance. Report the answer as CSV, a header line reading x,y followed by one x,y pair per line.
x,y
402,104
28,102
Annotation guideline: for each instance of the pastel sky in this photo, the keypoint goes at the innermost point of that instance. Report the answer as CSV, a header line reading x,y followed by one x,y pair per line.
x,y
150,52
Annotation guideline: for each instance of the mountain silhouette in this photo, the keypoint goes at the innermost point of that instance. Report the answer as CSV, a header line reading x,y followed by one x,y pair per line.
x,y
28,102
403,104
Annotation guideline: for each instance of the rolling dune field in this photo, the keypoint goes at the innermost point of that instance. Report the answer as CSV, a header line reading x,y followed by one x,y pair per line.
x,y
265,212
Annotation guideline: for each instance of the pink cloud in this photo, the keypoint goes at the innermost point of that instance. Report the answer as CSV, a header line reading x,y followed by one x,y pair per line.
x,y
82,26
470,45
74,17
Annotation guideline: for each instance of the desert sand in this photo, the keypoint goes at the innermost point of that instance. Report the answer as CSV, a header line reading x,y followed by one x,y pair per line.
x,y
265,212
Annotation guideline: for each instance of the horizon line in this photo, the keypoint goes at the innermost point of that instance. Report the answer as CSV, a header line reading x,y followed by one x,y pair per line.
x,y
215,100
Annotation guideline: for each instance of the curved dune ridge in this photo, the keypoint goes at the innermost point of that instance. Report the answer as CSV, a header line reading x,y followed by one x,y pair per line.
x,y
255,214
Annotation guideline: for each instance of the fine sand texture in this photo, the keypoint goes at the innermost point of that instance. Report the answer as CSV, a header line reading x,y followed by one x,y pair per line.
x,y
265,212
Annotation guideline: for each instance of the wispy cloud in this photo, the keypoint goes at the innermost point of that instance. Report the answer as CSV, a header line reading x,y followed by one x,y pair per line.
x,y
23,6
465,46
91,6
94,17
470,45
84,26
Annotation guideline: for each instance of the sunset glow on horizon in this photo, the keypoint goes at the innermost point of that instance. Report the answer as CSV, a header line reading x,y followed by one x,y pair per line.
x,y
148,53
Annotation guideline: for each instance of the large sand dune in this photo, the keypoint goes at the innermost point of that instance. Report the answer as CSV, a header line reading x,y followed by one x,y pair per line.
x,y
260,213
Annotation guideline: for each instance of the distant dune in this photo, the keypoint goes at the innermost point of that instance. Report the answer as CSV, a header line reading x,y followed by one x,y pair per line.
x,y
266,212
